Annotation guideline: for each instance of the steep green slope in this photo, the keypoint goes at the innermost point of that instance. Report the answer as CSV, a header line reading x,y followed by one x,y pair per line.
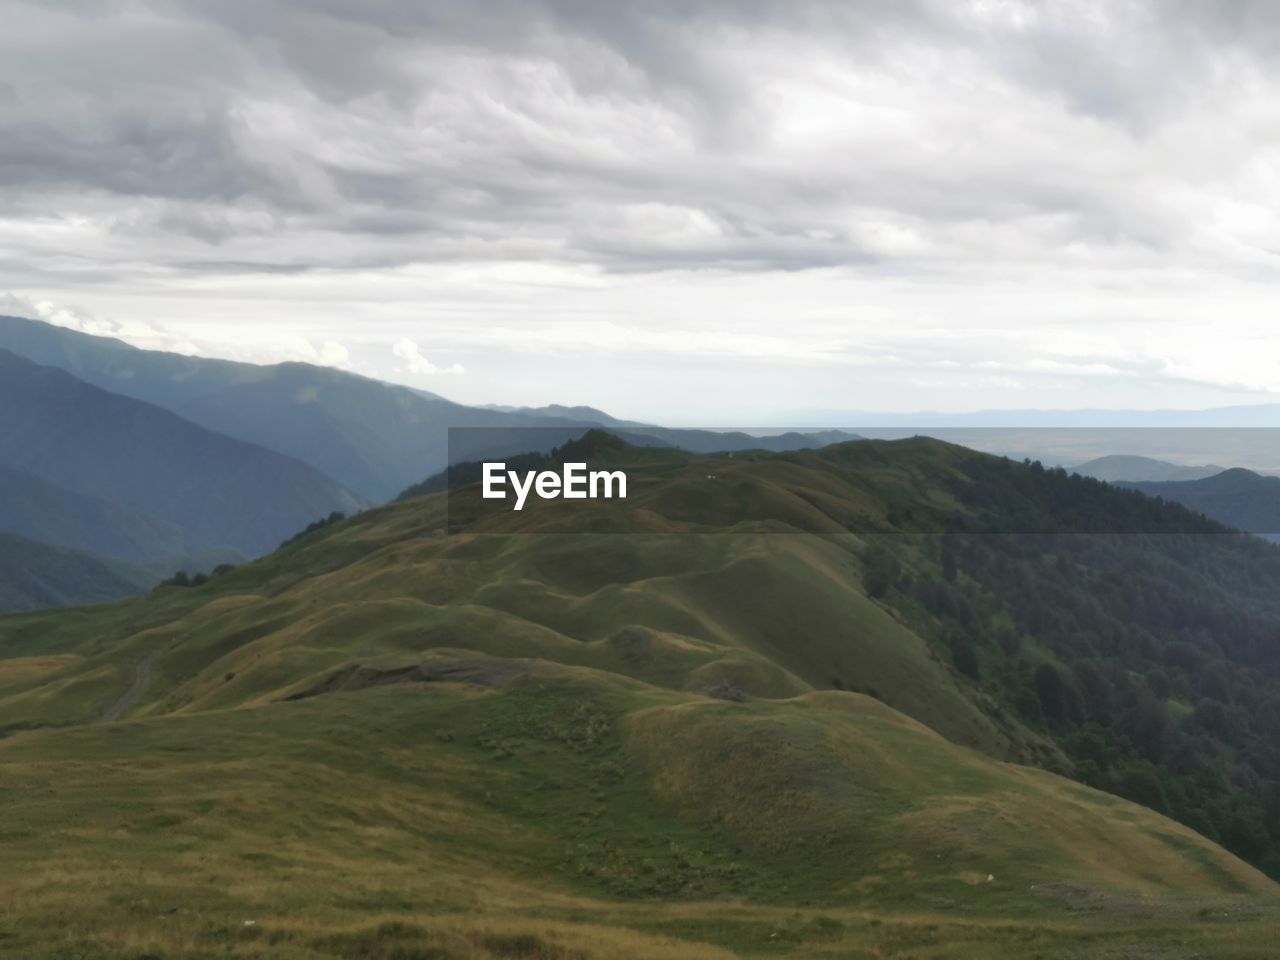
x,y
40,510
564,732
1137,638
36,575
220,492
1142,638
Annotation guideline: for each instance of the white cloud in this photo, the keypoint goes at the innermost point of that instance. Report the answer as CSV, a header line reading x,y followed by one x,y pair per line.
x,y
935,203
333,354
139,333
417,364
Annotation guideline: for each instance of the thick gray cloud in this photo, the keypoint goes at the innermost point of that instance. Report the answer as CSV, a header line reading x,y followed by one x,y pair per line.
x,y
929,163
546,129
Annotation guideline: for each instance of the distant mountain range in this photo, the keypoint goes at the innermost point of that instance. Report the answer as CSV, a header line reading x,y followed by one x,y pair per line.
x,y
579,412
1239,498
374,438
37,575
164,461
167,461
1241,415
219,491
1120,468
40,510
1256,448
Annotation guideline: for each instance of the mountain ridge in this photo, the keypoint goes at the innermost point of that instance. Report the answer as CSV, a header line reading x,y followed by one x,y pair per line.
x,y
221,491
375,438
39,510
347,426
1237,497
1127,468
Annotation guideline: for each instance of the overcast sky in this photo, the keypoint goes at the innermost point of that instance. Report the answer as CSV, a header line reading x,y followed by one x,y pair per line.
x,y
743,215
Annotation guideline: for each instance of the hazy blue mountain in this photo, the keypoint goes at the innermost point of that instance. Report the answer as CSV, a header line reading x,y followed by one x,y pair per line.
x,y
219,491
497,443
1121,468
35,508
715,441
1255,448
690,439
374,438
378,438
1246,415
560,411
1239,498
36,575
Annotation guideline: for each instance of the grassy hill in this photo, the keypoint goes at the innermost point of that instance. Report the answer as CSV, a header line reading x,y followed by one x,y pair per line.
x,y
710,721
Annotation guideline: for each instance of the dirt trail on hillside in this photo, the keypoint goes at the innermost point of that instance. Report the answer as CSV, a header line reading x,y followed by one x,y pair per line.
x,y
141,678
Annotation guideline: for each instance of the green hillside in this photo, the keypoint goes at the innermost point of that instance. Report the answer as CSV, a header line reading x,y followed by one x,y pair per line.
x,y
36,575
723,718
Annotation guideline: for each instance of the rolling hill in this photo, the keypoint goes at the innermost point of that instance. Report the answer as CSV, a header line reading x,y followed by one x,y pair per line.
x,y
219,492
1239,498
764,706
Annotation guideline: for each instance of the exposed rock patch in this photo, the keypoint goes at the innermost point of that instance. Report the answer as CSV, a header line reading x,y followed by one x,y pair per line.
x,y
725,691
486,673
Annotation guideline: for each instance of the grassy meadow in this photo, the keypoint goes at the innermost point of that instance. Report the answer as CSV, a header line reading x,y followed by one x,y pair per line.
x,y
387,742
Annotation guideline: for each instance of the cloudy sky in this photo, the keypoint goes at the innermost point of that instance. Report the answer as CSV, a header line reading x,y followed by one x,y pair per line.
x,y
750,214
